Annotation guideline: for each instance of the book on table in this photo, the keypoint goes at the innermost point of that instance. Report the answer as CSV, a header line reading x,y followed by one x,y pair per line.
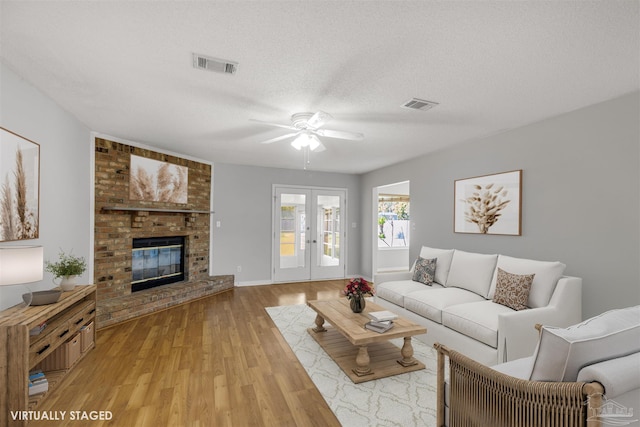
x,y
380,327
380,316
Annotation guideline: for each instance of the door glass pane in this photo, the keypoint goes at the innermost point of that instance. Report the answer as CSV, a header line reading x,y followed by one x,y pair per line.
x,y
292,230
328,210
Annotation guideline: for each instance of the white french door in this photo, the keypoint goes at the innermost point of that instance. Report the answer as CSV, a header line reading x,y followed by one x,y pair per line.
x,y
308,233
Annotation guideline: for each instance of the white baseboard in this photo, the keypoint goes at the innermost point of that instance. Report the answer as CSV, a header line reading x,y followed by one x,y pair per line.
x,y
254,283
271,282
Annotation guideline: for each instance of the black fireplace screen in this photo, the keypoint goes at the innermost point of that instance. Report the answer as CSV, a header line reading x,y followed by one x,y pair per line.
x,y
157,261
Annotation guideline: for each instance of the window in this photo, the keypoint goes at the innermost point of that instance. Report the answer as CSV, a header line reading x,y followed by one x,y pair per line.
x,y
393,220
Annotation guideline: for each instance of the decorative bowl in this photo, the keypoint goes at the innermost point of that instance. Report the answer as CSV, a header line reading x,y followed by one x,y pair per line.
x,y
43,297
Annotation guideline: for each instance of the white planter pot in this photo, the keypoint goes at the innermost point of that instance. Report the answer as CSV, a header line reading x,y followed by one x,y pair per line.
x,y
68,283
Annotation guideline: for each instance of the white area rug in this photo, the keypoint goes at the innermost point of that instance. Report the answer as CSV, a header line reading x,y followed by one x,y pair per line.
x,y
402,400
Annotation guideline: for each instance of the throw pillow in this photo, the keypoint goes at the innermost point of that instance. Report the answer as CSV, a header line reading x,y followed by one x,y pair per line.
x,y
425,270
562,352
512,290
547,275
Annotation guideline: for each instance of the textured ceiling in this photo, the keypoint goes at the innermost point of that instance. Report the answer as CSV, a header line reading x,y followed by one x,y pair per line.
x,y
124,68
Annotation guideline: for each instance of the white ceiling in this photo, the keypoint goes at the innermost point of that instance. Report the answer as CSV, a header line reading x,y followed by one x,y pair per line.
x,y
124,68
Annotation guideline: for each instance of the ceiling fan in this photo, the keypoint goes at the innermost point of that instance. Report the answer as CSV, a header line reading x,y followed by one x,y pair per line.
x,y
307,128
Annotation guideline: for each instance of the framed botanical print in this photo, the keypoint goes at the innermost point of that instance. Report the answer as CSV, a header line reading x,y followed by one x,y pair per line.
x,y
19,187
489,204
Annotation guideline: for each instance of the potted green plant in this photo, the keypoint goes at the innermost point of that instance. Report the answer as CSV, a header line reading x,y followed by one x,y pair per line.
x,y
68,268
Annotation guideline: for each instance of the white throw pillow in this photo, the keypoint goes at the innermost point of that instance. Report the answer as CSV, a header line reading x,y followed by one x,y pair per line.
x,y
544,283
562,352
471,271
443,262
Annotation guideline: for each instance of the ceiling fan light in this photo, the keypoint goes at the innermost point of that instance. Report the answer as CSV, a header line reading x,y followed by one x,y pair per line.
x,y
299,142
314,142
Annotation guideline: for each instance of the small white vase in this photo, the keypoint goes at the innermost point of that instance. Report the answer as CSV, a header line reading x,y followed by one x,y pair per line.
x,y
68,283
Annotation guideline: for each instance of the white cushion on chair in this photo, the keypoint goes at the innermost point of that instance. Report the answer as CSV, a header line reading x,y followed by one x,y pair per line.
x,y
561,353
544,282
472,271
518,368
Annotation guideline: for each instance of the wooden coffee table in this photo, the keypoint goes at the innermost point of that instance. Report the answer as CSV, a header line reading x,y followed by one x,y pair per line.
x,y
362,354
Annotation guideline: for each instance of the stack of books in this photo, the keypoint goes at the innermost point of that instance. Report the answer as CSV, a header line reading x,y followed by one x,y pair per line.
x,y
37,383
380,316
36,330
380,327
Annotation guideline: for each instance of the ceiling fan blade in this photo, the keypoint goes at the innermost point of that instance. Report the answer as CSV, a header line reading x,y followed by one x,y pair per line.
x,y
273,124
353,136
279,138
318,120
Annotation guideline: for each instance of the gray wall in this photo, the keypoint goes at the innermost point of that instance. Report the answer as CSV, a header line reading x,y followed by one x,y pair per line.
x,y
65,183
242,203
581,197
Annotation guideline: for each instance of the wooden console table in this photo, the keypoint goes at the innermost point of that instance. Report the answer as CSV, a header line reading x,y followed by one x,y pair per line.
x,y
20,353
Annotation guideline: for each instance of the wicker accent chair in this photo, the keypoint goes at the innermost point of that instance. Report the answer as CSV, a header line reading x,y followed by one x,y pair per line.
x,y
480,396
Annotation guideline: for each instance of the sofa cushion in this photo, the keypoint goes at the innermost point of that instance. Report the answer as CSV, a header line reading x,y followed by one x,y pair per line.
x,y
512,290
472,271
561,353
430,303
544,283
443,262
424,270
396,290
477,320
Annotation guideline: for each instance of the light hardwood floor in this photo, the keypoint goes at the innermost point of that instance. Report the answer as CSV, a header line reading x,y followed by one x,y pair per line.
x,y
218,361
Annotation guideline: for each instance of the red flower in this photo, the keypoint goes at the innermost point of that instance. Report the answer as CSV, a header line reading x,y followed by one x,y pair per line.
x,y
358,287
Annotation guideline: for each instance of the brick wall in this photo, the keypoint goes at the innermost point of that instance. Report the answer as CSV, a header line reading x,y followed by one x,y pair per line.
x,y
116,229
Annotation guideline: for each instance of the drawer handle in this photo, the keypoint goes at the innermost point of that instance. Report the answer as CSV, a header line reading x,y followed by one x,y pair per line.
x,y
92,311
44,348
63,334
80,321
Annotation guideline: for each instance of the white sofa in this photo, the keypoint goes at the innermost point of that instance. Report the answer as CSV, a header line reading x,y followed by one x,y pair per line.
x,y
458,308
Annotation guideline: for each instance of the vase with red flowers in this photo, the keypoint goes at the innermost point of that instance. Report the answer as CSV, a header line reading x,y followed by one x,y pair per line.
x,y
355,291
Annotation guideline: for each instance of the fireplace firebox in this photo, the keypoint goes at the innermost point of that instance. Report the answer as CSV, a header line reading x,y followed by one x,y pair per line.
x,y
157,261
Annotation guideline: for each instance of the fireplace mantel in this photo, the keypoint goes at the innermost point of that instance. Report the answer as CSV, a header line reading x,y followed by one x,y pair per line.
x,y
144,209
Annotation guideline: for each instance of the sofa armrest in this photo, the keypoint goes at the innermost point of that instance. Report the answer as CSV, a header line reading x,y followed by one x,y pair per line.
x,y
391,276
517,336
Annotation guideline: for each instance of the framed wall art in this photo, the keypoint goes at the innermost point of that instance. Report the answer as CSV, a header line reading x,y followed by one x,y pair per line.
x,y
156,181
489,204
19,187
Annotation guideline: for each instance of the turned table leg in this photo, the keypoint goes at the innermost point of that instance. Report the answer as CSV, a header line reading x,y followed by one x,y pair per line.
x,y
407,353
319,324
362,362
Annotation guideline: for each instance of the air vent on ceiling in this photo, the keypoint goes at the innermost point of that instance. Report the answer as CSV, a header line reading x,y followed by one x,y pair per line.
x,y
419,104
214,64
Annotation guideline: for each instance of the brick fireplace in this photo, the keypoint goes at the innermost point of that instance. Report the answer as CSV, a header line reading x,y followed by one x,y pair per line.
x,y
119,220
